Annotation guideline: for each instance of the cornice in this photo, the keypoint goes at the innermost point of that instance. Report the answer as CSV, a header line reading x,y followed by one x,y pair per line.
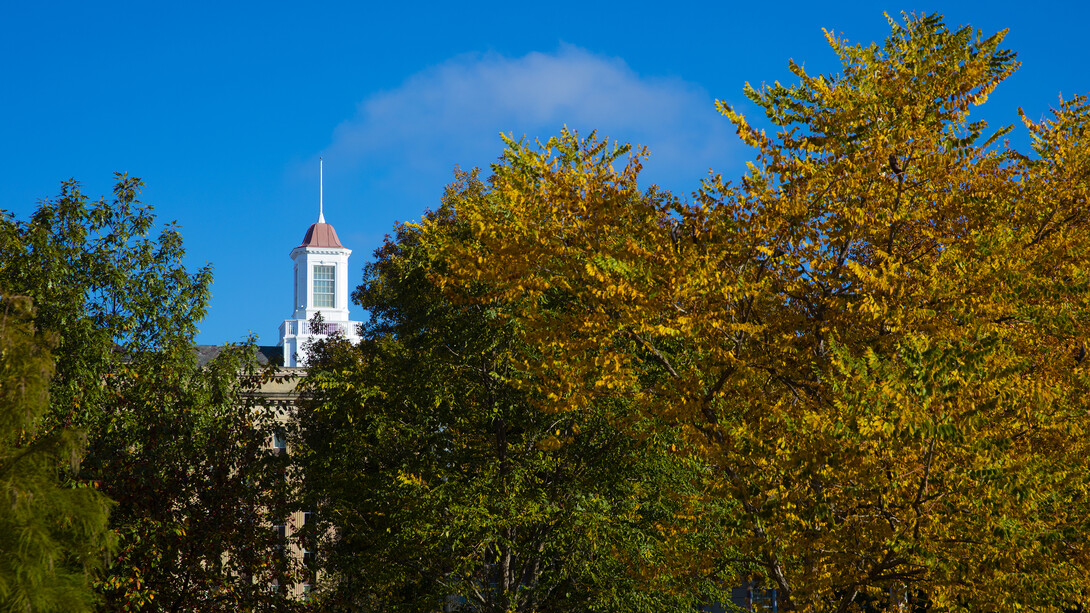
x,y
321,251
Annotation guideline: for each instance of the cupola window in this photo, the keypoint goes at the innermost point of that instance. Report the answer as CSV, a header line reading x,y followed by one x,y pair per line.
x,y
324,292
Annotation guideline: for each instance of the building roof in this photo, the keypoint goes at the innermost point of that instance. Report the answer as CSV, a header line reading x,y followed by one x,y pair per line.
x,y
321,234
264,354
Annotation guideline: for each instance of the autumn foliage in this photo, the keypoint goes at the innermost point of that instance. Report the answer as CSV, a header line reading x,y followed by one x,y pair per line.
x,y
856,375
437,481
876,337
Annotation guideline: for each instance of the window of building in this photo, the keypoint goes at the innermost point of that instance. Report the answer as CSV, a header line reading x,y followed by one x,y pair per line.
x,y
324,286
281,532
280,441
309,581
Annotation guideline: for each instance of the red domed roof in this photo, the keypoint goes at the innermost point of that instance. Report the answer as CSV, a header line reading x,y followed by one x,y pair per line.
x,y
321,235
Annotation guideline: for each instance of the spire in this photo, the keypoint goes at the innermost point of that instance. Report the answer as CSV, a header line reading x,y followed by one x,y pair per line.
x,y
321,213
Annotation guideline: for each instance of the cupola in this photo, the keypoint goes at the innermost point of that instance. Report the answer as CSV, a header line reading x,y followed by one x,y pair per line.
x,y
320,287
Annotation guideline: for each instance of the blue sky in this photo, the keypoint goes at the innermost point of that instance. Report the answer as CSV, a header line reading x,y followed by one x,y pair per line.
x,y
223,108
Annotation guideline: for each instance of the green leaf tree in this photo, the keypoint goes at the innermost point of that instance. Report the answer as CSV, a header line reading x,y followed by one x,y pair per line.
x,y
112,291
181,449
438,483
199,492
53,537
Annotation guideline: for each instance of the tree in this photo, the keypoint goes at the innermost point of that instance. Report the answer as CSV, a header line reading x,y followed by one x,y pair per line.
x,y
877,338
111,292
180,449
199,492
437,483
52,537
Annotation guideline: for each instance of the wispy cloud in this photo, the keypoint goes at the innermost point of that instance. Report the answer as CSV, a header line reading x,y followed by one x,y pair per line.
x,y
452,113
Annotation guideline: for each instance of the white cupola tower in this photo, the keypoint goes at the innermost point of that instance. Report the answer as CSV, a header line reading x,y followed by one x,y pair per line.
x,y
321,286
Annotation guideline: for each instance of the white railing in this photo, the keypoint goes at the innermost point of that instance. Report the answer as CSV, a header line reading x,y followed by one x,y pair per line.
x,y
295,327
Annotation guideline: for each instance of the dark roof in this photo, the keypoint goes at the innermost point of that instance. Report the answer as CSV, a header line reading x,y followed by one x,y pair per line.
x,y
265,354
321,235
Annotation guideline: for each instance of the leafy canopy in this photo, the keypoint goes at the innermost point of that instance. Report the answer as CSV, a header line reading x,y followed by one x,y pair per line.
x,y
439,482
876,338
53,537
181,450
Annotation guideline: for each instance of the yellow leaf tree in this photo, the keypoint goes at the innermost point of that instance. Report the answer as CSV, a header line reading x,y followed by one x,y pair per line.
x,y
877,335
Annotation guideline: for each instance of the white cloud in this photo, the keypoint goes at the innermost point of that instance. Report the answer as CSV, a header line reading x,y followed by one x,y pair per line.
x,y
451,114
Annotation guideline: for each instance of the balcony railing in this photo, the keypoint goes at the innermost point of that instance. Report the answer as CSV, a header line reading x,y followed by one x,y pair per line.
x,y
295,327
